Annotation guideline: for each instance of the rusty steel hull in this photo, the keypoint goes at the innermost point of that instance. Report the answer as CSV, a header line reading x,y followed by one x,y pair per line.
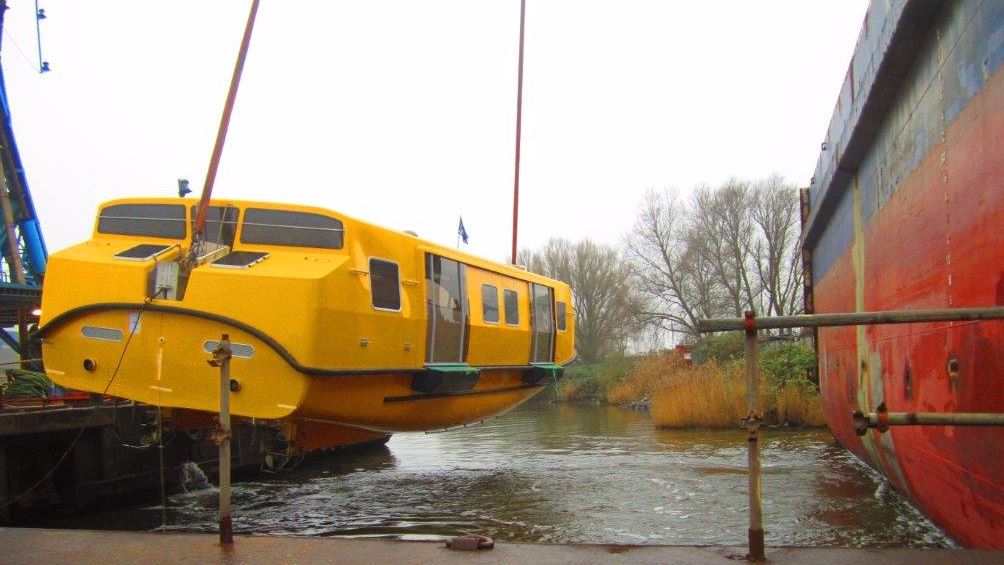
x,y
906,211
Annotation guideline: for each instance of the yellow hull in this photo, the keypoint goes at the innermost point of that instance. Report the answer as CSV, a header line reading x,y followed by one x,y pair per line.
x,y
313,337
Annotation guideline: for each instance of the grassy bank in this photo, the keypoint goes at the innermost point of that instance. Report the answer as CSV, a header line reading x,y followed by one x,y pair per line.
x,y
710,393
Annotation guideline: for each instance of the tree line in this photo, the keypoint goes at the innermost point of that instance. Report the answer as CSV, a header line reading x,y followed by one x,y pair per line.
x,y
717,253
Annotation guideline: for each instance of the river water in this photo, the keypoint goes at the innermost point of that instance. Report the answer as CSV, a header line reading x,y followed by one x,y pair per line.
x,y
566,474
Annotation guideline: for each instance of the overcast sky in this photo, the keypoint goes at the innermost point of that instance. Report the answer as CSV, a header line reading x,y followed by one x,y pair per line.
x,y
403,112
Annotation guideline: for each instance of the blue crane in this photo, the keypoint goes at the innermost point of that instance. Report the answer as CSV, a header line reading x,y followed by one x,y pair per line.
x,y
21,245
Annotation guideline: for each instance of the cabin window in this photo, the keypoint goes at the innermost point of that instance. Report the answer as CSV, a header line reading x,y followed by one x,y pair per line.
x,y
511,307
221,224
560,308
296,229
490,303
446,306
149,220
385,285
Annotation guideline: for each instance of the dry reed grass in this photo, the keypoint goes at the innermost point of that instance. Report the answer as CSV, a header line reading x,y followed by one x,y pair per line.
x,y
799,407
713,395
648,378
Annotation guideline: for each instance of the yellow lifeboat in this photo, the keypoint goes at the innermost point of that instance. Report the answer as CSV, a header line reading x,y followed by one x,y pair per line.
x,y
331,319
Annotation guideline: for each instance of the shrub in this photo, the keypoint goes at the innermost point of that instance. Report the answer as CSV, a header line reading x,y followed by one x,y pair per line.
x,y
589,382
789,363
724,348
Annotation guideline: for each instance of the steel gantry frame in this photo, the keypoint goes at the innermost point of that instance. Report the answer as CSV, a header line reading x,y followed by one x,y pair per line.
x,y
21,244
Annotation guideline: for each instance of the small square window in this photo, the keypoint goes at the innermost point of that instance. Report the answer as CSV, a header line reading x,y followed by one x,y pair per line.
x,y
511,307
385,285
562,325
490,303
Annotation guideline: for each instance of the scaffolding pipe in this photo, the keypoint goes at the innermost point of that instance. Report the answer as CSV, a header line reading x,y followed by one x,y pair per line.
x,y
853,319
755,537
881,419
863,421
221,359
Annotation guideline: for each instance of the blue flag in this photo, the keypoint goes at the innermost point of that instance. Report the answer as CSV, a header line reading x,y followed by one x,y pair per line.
x,y
461,232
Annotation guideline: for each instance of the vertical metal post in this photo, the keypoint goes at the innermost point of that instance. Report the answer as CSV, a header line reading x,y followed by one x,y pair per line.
x,y
756,549
519,129
221,359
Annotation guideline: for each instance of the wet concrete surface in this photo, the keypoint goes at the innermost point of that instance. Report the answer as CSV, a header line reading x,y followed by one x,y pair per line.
x,y
47,546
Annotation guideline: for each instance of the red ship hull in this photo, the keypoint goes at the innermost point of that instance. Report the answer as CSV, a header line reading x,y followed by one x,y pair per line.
x,y
907,212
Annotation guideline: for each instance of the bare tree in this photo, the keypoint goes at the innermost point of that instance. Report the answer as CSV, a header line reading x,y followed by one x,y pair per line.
x,y
776,252
733,248
673,273
602,294
723,227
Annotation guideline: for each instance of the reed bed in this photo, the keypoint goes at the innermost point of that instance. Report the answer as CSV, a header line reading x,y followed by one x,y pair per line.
x,y
799,407
650,376
713,395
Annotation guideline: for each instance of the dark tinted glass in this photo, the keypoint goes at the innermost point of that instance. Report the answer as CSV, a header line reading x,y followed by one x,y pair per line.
x,y
447,310
240,259
298,229
490,303
560,306
143,251
543,324
152,220
385,285
221,224
511,307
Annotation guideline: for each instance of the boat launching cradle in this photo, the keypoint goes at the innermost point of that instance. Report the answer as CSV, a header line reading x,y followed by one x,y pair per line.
x,y
330,319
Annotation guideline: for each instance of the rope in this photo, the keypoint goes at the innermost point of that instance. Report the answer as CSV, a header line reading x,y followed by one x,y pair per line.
x,y
19,362
21,51
80,432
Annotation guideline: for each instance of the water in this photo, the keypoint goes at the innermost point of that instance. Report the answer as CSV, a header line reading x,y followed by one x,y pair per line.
x,y
566,474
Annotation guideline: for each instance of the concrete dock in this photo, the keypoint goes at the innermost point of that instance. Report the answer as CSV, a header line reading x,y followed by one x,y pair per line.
x,y
26,545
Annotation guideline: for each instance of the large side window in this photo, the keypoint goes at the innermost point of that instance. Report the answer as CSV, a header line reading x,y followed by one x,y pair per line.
x,y
150,220
511,307
490,303
562,314
385,284
297,229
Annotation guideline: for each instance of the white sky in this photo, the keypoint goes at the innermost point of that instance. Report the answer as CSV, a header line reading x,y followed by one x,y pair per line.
x,y
403,112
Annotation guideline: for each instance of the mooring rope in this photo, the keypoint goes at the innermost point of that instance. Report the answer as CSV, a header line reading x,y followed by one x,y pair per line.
x,y
94,414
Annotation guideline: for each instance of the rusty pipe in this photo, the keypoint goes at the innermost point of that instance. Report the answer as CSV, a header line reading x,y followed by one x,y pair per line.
x,y
755,532
881,419
854,319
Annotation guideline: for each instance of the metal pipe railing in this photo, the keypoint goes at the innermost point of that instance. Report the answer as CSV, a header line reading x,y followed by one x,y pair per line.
x,y
852,319
880,419
755,533
221,436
